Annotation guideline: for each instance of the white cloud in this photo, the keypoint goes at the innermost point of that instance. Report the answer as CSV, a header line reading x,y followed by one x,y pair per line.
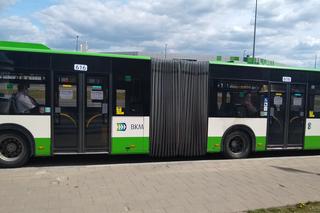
x,y
6,3
19,29
286,28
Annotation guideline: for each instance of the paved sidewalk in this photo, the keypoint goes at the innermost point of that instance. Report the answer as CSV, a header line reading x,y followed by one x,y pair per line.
x,y
192,186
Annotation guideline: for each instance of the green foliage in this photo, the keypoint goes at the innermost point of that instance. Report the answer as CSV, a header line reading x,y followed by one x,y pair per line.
x,y
298,208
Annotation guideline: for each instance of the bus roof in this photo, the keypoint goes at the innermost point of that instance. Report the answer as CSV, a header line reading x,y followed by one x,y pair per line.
x,y
40,48
264,66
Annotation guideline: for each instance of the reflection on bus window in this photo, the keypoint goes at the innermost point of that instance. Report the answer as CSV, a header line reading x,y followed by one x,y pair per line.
x,y
67,95
314,101
129,99
241,99
96,93
22,93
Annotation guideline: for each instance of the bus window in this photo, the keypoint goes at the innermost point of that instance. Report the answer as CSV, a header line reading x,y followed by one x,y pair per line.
x,y
23,93
67,91
95,92
129,96
241,99
314,101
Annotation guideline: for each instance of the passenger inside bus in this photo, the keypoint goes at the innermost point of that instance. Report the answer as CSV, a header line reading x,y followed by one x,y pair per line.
x,y
23,102
251,110
237,104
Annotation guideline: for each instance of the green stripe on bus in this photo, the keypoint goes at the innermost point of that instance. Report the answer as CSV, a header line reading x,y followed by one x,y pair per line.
x,y
214,144
311,142
42,146
261,143
49,51
130,145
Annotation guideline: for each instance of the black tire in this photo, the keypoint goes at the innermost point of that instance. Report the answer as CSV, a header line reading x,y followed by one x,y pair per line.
x,y
14,150
237,144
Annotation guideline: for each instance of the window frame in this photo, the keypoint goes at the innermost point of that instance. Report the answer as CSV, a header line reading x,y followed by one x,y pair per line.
x,y
213,95
46,82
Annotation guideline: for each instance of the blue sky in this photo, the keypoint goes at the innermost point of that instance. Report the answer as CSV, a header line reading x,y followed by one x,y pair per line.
x,y
28,7
287,29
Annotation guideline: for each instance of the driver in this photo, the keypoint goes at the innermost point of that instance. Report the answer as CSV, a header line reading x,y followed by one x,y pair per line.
x,y
24,103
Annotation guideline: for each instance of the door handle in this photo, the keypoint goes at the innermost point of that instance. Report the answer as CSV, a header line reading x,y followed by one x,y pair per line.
x,y
294,118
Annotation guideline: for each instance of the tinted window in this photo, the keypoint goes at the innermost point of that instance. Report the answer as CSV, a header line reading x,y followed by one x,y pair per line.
x,y
238,72
131,87
314,101
239,99
24,93
67,91
9,60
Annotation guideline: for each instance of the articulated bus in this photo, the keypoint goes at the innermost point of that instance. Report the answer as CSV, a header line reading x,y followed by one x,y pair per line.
x,y
56,102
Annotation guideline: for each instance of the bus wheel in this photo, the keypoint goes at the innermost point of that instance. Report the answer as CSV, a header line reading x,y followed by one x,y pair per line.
x,y
237,145
14,150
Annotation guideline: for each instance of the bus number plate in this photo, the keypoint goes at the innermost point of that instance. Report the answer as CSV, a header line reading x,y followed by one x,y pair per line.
x,y
80,67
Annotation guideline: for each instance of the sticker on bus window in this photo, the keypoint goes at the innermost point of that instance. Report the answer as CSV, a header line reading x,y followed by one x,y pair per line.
x,y
119,110
67,86
316,105
47,109
66,94
297,101
121,98
96,95
265,104
96,87
311,114
277,100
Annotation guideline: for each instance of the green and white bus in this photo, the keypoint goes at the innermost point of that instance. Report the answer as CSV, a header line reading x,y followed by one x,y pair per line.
x,y
56,102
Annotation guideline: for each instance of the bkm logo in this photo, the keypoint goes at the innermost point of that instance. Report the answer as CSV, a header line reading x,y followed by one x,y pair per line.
x,y
121,127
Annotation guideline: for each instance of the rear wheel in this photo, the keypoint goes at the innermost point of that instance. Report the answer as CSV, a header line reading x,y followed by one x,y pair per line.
x,y
237,145
14,150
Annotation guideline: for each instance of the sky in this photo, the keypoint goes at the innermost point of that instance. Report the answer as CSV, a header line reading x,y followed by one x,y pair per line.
x,y
288,31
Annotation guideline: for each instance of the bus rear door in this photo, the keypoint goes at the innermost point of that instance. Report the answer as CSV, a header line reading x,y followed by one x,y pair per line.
x,y
286,120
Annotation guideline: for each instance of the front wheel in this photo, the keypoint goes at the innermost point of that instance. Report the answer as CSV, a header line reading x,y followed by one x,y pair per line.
x,y
237,145
14,150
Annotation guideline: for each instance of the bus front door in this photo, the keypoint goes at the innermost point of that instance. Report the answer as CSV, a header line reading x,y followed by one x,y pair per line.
x,y
66,113
286,116
81,118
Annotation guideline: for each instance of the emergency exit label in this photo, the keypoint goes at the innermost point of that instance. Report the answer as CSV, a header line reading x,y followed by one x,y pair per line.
x,y
286,79
81,67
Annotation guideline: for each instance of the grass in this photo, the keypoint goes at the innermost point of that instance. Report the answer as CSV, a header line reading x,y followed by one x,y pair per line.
x,y
299,208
